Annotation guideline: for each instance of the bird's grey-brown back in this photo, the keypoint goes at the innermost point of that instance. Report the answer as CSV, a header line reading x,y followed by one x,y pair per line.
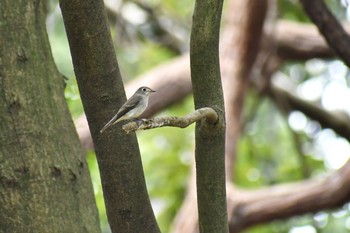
x,y
137,103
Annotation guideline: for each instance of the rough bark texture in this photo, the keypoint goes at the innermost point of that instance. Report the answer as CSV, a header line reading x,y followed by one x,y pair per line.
x,y
45,185
127,203
210,137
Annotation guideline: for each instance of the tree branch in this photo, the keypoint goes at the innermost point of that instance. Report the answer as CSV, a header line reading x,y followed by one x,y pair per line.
x,y
329,27
181,122
296,41
309,196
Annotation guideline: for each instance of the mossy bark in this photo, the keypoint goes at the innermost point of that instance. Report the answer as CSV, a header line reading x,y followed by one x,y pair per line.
x,y
45,185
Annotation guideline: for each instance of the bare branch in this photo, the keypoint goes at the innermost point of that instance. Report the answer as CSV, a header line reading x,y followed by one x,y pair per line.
x,y
251,207
181,122
329,27
296,41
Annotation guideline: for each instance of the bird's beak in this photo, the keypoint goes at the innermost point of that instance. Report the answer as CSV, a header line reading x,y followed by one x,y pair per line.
x,y
152,90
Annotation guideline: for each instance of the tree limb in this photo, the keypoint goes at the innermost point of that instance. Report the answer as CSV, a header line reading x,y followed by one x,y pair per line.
x,y
329,27
297,41
248,208
182,122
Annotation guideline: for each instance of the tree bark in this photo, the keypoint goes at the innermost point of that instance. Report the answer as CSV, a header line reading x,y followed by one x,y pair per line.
x,y
209,136
101,89
45,184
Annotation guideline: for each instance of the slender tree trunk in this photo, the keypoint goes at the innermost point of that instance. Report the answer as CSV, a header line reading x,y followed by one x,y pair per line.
x,y
45,185
101,88
210,138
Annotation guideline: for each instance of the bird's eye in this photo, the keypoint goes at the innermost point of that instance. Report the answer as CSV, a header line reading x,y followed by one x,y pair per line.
x,y
143,89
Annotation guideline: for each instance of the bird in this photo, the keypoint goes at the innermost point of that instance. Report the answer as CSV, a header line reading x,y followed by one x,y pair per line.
x,y
132,108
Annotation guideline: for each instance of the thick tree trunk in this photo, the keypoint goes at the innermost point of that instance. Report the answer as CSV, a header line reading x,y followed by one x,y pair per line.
x,y
45,185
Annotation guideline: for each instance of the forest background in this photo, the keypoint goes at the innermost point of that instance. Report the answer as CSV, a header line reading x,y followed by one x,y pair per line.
x,y
290,130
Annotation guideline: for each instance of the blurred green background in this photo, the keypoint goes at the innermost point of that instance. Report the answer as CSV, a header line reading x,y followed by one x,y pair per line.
x,y
297,151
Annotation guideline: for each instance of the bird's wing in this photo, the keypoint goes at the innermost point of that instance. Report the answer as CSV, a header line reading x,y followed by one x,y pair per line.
x,y
130,104
109,123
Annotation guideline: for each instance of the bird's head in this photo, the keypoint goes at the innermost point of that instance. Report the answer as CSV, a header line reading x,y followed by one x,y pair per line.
x,y
145,91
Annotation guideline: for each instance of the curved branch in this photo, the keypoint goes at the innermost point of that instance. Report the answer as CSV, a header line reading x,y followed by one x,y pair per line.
x,y
181,122
248,208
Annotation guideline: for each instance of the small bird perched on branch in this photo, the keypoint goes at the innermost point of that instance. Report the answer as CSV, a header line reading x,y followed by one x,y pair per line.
x,y
132,108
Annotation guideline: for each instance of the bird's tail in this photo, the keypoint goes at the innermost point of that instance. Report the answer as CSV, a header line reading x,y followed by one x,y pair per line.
x,y
111,122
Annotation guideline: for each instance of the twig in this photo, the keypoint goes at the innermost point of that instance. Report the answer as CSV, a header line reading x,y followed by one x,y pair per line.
x,y
182,122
